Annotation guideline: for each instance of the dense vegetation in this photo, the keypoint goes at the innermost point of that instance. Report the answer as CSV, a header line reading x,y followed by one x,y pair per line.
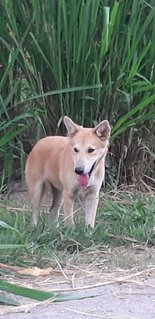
x,y
53,57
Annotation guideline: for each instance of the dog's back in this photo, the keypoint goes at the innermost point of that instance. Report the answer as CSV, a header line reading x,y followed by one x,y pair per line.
x,y
44,160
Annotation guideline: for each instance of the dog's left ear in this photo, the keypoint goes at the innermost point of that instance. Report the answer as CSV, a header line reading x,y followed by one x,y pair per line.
x,y
103,130
71,127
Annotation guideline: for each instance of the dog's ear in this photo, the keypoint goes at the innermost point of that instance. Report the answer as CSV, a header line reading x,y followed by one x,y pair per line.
x,y
103,130
71,127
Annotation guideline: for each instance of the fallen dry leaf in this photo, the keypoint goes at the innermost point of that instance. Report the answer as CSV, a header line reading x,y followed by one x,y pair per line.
x,y
35,271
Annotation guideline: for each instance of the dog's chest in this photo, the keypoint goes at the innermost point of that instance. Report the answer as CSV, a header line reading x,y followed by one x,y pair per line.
x,y
83,191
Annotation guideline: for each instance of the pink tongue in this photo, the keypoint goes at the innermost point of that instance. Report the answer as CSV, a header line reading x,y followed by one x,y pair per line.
x,y
83,180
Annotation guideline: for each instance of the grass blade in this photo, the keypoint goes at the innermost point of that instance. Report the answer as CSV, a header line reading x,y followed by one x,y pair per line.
x,y
35,294
9,301
60,91
11,246
25,292
133,111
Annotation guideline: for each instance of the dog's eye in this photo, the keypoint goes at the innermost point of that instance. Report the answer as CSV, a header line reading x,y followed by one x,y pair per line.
x,y
75,150
91,150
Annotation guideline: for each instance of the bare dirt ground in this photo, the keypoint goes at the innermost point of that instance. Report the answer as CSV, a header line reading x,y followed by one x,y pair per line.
x,y
108,302
117,283
109,294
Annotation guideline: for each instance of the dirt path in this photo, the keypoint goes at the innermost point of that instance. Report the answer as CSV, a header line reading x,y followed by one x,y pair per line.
x,y
117,294
112,301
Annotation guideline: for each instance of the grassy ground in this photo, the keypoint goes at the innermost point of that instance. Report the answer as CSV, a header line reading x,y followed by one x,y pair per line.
x,y
122,220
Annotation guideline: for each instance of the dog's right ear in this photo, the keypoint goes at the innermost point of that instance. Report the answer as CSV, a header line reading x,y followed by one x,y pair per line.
x,y
71,127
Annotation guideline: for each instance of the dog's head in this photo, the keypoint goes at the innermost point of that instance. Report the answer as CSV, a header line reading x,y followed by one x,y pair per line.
x,y
88,145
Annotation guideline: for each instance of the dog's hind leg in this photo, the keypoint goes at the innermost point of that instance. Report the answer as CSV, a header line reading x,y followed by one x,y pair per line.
x,y
36,192
56,204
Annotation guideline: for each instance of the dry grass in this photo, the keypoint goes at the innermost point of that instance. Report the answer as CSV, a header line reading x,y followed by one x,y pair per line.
x,y
88,273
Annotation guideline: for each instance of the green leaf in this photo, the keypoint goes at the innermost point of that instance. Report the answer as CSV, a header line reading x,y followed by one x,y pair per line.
x,y
5,225
8,301
133,111
62,91
26,292
10,135
36,294
11,246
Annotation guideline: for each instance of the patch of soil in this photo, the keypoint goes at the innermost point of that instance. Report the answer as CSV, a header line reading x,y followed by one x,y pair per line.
x,y
110,301
109,292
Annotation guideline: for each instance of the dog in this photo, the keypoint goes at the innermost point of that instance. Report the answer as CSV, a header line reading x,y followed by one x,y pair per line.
x,y
73,165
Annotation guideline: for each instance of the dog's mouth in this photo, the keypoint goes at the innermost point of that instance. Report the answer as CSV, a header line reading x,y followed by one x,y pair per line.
x,y
84,178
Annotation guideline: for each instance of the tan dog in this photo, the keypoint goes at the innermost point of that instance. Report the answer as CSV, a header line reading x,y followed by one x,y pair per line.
x,y
73,165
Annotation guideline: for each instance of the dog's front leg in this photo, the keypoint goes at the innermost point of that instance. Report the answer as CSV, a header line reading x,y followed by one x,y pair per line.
x,y
91,208
68,208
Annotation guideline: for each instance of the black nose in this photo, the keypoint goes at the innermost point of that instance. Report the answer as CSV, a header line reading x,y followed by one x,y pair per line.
x,y
79,170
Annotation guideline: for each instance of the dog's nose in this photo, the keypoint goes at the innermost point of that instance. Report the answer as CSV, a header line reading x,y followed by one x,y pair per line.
x,y
79,170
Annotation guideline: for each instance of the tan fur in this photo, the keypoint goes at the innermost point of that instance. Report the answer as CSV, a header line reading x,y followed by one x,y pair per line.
x,y
55,158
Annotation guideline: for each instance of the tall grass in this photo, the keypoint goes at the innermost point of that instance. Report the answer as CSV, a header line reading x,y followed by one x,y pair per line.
x,y
56,45
64,47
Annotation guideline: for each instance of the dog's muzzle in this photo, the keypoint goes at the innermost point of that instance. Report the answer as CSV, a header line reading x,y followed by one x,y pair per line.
x,y
83,178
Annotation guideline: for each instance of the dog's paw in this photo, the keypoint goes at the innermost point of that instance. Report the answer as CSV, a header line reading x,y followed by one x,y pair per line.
x,y
89,230
55,223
